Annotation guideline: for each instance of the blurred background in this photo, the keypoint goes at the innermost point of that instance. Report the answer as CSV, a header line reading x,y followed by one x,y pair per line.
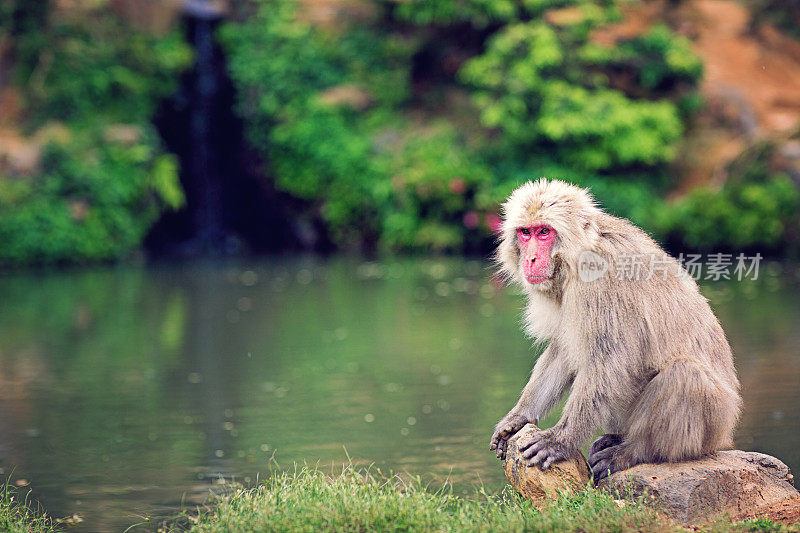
x,y
191,127
236,234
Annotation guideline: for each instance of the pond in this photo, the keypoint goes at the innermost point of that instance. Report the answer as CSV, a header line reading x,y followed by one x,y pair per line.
x,y
127,391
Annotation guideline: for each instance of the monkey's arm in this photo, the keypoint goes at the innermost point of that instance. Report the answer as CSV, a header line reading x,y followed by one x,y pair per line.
x,y
587,408
549,379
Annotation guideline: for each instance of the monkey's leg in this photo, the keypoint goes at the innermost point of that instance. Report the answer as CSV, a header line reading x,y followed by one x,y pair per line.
x,y
607,461
600,462
603,442
684,412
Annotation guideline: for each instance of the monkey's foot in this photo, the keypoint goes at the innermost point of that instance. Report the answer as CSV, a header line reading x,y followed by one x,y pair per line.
x,y
504,430
603,442
607,461
545,449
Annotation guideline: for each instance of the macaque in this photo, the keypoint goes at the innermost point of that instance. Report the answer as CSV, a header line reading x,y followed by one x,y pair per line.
x,y
628,333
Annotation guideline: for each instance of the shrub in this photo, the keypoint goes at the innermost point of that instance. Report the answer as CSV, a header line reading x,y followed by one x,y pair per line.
x,y
378,178
94,199
104,179
659,58
741,214
526,86
550,101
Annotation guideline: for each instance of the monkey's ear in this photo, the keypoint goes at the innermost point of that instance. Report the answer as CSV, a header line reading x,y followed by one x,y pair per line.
x,y
507,257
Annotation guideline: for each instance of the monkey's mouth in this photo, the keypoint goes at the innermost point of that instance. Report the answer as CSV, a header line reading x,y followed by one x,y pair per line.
x,y
535,280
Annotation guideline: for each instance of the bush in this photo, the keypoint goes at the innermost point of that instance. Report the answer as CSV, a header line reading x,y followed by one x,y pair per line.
x,y
104,178
94,199
659,59
550,102
378,178
525,87
741,214
444,12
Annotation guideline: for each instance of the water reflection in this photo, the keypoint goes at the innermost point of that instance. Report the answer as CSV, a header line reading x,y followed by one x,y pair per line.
x,y
125,391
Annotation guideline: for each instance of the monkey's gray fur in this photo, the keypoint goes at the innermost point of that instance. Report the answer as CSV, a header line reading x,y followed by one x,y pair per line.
x,y
644,356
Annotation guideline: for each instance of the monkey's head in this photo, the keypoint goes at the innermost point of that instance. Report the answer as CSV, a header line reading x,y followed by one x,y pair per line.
x,y
546,224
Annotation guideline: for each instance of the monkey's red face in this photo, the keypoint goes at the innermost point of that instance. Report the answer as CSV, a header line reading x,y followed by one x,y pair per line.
x,y
534,246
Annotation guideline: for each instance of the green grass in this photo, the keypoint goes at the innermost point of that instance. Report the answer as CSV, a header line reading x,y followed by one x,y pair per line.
x,y
352,500
18,516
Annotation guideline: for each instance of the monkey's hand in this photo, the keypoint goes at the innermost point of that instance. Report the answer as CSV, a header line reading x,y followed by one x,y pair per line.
x,y
545,448
505,429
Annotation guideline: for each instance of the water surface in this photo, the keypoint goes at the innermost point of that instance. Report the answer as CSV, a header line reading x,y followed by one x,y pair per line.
x,y
126,391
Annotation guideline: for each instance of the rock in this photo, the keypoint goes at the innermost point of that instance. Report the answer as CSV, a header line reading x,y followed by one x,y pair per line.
x,y
19,155
785,512
126,134
732,482
336,14
206,9
352,96
565,17
537,485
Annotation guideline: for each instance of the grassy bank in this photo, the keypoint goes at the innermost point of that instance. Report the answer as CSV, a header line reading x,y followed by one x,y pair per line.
x,y
351,500
18,515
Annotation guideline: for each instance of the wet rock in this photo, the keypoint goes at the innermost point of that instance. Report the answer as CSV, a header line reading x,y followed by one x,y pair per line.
x,y
537,485
732,482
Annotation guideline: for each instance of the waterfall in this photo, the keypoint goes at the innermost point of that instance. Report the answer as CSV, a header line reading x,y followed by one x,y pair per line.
x,y
204,169
231,206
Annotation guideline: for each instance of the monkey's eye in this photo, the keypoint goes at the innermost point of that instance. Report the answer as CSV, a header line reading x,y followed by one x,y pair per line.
x,y
544,231
525,231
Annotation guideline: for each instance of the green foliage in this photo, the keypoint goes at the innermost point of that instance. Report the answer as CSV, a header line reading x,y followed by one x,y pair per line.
x,y
75,69
742,214
17,515
102,185
377,177
602,129
433,200
550,102
94,199
763,525
476,12
757,206
482,13
280,64
318,151
526,86
659,58
319,154
276,62
308,499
